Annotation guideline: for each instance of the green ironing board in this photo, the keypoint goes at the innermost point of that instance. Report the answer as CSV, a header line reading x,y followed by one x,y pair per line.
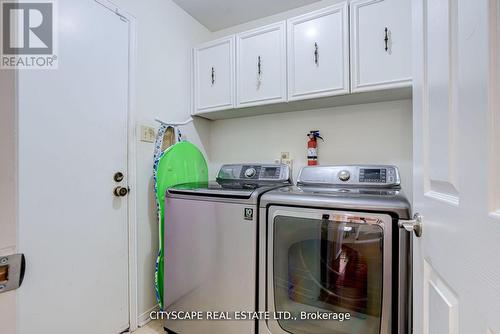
x,y
180,163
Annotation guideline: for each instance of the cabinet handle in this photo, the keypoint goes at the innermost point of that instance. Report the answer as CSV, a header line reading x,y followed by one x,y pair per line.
x,y
213,76
316,53
386,39
259,67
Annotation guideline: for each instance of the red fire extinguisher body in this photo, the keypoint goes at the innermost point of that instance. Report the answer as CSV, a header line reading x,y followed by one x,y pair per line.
x,y
312,148
312,152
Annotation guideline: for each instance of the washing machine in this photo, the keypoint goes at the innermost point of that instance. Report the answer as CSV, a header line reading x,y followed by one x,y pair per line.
x,y
333,259
211,249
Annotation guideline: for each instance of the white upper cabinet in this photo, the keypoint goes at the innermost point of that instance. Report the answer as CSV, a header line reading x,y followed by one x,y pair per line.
x,y
348,47
214,75
318,53
261,66
380,44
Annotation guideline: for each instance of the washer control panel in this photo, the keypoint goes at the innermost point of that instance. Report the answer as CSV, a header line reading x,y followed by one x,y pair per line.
x,y
372,175
383,176
254,172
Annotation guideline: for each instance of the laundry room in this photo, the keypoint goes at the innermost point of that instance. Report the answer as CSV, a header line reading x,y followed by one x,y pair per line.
x,y
253,167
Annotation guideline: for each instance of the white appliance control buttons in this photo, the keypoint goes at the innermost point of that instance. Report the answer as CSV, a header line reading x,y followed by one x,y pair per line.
x,y
250,172
344,175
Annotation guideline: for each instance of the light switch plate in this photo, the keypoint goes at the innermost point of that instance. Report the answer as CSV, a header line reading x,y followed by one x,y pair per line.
x,y
148,134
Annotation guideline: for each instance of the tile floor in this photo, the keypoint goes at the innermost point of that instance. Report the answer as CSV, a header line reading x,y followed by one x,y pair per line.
x,y
152,327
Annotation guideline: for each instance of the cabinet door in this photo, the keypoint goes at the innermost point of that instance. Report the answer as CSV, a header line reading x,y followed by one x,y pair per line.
x,y
380,44
214,75
318,53
261,66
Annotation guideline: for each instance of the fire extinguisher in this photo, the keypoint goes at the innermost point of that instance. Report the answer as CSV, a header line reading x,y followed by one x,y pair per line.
x,y
312,147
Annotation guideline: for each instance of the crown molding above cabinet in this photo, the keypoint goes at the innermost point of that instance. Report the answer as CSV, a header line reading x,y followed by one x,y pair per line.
x,y
347,53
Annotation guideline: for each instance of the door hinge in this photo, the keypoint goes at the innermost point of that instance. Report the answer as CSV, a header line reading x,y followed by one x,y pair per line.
x,y
12,269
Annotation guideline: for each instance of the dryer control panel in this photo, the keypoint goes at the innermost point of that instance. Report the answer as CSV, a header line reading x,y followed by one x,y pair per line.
x,y
274,173
381,176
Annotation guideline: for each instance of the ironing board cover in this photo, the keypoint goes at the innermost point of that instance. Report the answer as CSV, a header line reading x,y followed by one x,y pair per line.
x,y
180,163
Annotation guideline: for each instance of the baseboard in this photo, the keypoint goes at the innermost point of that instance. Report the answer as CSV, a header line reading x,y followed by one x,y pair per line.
x,y
144,317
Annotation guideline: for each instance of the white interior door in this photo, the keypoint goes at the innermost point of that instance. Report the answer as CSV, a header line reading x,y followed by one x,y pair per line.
x,y
456,185
72,139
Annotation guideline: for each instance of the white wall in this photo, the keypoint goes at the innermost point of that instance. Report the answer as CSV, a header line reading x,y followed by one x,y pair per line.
x,y
165,37
378,133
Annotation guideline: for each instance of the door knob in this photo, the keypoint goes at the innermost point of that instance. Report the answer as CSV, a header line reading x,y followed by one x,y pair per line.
x,y
120,191
414,225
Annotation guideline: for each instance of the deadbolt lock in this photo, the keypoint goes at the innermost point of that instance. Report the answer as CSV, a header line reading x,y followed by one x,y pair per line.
x,y
118,177
120,191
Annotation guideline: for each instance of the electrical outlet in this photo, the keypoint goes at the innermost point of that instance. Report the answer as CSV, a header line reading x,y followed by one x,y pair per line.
x,y
148,134
288,162
285,159
285,155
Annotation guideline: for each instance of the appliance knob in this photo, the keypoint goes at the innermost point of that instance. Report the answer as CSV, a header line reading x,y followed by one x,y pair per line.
x,y
344,175
250,172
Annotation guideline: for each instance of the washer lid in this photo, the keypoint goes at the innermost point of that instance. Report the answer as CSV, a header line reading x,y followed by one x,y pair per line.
x,y
364,199
214,189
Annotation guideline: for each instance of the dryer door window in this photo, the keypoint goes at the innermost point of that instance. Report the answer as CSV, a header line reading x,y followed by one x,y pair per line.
x,y
333,265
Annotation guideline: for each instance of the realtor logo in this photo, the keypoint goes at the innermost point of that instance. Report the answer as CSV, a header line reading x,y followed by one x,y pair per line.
x,y
28,36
